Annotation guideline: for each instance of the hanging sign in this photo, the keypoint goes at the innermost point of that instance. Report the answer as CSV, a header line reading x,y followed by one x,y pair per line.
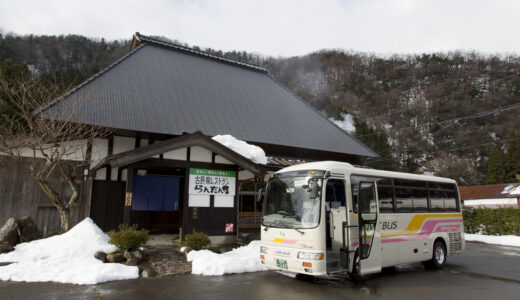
x,y
128,199
229,227
212,182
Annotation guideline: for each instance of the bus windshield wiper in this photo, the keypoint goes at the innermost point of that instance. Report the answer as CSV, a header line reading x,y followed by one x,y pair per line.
x,y
292,227
271,225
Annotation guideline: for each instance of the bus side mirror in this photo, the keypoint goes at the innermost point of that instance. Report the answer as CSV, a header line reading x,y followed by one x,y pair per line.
x,y
260,196
312,188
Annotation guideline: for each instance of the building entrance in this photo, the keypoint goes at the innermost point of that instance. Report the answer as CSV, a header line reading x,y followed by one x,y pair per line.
x,y
157,201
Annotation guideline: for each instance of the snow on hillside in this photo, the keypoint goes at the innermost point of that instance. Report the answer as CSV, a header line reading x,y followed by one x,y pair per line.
x,y
65,258
347,124
249,151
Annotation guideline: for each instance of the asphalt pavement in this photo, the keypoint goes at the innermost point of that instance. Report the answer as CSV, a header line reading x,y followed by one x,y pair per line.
x,y
481,272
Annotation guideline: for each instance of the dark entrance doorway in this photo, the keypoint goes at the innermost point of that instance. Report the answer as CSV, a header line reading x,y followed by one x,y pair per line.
x,y
157,200
156,193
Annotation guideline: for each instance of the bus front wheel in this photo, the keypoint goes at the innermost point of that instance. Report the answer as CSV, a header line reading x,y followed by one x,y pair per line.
x,y
438,256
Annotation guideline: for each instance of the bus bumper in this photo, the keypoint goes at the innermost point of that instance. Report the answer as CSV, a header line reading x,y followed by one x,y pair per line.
x,y
286,259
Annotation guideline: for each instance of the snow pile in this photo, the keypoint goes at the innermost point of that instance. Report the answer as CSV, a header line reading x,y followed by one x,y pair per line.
x,y
515,191
347,124
505,240
66,258
512,189
251,152
239,260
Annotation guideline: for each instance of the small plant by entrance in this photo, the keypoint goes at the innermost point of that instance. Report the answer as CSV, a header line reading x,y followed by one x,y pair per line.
x,y
128,237
196,241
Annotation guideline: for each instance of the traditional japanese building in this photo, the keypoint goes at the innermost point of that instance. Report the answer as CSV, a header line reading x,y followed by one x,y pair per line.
x,y
491,196
165,102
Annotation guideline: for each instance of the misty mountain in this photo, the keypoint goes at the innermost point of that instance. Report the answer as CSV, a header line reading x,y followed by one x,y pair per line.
x,y
442,112
438,113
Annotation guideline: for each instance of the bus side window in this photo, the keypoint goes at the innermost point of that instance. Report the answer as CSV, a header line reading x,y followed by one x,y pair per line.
x,y
450,202
437,200
403,199
420,200
338,188
386,198
367,198
335,193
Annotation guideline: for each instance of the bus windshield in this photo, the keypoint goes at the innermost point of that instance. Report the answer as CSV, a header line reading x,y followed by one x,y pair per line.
x,y
293,202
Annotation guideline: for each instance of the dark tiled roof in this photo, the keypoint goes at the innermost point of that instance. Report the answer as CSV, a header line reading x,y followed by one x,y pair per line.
x,y
168,89
493,191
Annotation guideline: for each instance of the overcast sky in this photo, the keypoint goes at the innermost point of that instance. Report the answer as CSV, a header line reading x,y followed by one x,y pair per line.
x,y
282,28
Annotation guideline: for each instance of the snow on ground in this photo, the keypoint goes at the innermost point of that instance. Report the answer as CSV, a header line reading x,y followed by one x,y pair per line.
x,y
239,260
505,240
252,152
347,124
66,258
515,191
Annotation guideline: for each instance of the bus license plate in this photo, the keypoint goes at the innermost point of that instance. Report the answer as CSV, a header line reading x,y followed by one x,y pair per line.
x,y
282,264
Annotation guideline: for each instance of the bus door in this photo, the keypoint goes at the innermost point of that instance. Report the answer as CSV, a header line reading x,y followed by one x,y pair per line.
x,y
336,217
369,235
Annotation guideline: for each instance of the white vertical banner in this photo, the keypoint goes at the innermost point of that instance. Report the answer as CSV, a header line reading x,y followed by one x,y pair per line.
x,y
205,182
224,201
212,182
198,200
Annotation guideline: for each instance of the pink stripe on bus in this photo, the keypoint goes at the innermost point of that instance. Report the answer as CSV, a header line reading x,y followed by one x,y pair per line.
x,y
427,229
425,232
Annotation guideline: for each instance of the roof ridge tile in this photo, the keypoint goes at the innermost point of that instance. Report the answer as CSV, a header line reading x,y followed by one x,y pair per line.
x,y
149,39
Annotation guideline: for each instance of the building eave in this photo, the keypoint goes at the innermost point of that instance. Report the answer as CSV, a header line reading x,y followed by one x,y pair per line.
x,y
189,140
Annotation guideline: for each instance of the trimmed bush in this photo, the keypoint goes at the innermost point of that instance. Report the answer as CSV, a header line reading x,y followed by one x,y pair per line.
x,y
492,221
128,237
196,241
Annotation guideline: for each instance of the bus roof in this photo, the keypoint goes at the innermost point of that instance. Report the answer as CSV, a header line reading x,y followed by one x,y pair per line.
x,y
346,168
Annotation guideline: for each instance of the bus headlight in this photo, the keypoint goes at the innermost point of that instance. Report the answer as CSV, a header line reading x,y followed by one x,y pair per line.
x,y
263,249
310,256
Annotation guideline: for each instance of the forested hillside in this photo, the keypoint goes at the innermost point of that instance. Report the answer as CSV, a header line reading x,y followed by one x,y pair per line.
x,y
441,113
71,58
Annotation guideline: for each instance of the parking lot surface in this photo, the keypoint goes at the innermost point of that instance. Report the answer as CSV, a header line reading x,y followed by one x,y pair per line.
x,y
482,272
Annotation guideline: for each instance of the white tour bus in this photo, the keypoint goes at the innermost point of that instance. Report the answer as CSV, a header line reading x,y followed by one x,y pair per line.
x,y
331,219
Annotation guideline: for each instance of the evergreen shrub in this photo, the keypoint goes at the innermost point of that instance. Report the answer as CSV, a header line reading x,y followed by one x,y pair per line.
x,y
128,237
492,221
196,241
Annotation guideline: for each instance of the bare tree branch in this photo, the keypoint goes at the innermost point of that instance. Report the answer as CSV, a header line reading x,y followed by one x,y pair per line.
x,y
51,141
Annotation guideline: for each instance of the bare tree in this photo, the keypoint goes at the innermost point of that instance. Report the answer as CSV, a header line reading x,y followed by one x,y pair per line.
x,y
47,138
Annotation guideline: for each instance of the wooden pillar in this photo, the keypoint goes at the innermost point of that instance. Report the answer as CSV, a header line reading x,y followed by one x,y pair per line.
x,y
186,211
236,202
128,198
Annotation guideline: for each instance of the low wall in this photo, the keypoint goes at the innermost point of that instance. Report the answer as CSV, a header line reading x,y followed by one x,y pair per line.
x,y
20,197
